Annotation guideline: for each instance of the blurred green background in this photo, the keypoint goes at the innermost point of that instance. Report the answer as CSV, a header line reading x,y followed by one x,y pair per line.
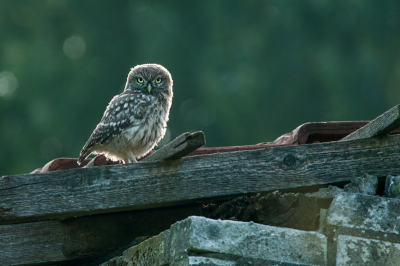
x,y
244,71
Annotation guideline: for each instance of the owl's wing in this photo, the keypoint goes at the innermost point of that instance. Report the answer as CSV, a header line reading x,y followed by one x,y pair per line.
x,y
124,110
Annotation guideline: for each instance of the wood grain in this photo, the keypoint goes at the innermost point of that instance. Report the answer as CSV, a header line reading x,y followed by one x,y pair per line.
x,y
383,124
83,237
179,147
29,243
114,188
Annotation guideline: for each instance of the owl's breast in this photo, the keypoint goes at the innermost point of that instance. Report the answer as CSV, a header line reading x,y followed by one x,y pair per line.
x,y
142,137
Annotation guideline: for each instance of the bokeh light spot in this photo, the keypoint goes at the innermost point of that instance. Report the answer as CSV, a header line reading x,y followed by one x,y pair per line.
x,y
8,84
74,47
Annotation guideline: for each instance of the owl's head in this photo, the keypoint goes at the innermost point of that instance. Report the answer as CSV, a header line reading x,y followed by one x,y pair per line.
x,y
150,78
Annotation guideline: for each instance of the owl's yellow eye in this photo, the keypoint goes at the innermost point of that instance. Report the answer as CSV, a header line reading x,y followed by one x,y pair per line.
x,y
140,80
158,80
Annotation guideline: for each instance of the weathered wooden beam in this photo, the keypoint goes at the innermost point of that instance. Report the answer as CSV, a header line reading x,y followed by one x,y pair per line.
x,y
382,125
179,147
30,243
124,187
83,237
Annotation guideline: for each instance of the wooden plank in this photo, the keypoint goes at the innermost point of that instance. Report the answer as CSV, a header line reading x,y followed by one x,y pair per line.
x,y
83,237
30,243
114,188
382,125
101,160
179,147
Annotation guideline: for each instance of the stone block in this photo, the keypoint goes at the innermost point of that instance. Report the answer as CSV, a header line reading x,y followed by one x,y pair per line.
x,y
392,186
361,216
369,252
366,184
202,241
204,261
153,251
365,216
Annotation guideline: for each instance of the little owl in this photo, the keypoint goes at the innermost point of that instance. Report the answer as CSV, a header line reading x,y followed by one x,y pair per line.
x,y
135,120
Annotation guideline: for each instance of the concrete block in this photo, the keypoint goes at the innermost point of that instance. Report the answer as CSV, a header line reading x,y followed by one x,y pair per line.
x,y
359,215
202,241
365,216
253,240
363,251
204,261
153,251
366,184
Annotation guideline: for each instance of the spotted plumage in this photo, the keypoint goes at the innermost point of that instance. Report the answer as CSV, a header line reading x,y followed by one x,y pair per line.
x,y
135,120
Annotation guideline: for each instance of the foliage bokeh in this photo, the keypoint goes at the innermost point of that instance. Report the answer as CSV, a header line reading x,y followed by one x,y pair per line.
x,y
244,71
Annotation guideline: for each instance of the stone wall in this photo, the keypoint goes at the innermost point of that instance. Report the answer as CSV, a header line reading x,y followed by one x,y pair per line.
x,y
357,229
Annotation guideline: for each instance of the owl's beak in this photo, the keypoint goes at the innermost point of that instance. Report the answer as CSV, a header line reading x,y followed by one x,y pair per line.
x,y
149,87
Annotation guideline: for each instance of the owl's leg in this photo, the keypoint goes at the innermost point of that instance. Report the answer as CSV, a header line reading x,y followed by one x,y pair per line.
x,y
131,157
